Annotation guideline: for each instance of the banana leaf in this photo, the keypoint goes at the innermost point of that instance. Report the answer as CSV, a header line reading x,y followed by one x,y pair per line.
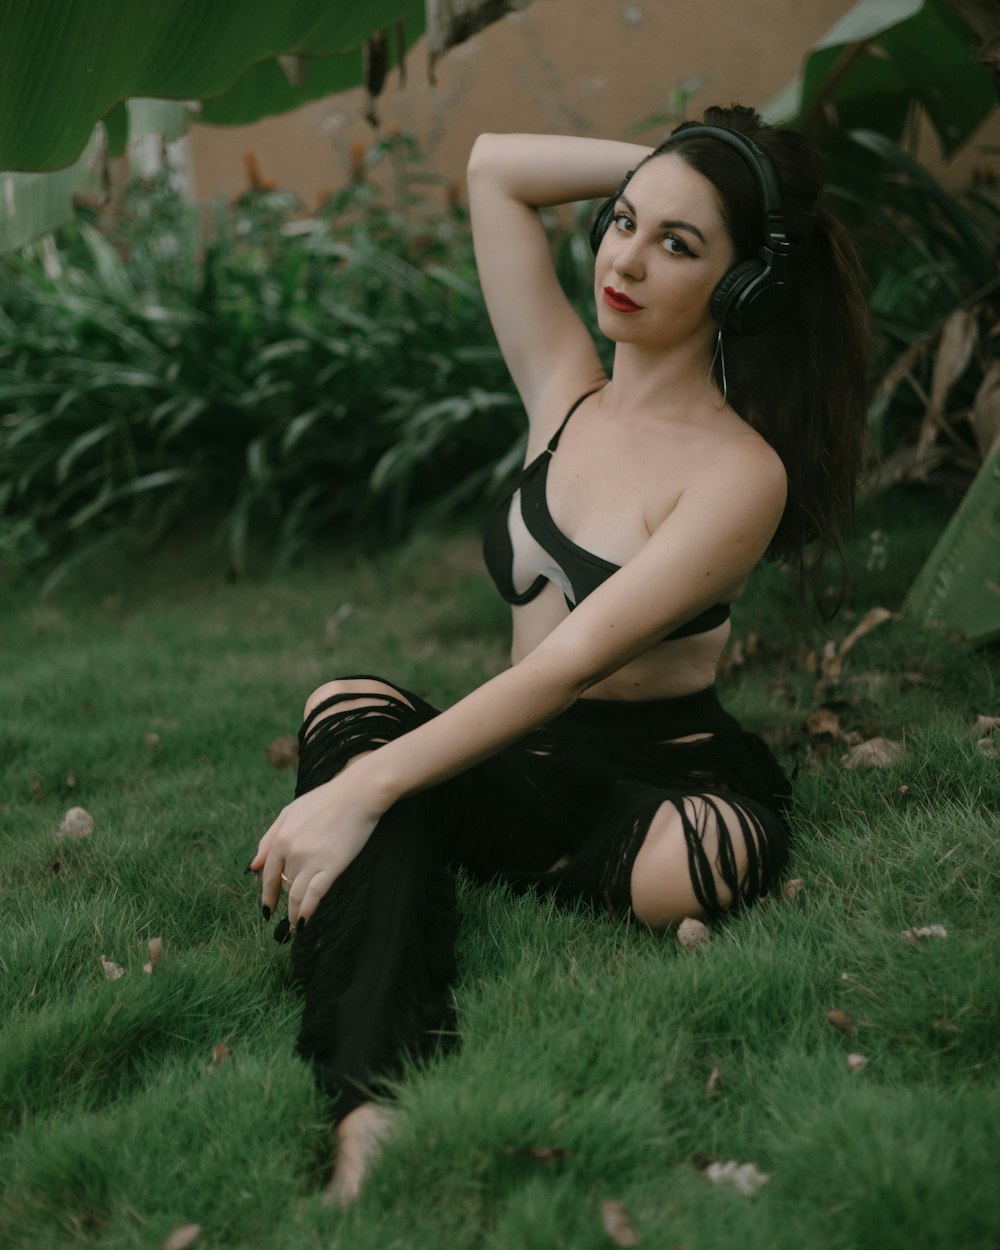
x,y
64,64
881,56
84,79
960,582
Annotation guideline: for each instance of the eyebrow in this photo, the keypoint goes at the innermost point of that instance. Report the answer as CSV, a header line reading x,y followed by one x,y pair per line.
x,y
667,225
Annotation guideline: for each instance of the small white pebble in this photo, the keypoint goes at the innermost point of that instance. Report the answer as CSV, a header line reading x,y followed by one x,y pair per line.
x,y
77,823
692,933
112,970
744,1177
926,931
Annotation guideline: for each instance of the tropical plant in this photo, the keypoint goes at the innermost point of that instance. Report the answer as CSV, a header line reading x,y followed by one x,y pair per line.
x,y
935,296
931,257
84,79
266,379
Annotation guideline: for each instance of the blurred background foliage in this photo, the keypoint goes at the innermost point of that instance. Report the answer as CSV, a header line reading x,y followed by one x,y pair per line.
x,y
276,378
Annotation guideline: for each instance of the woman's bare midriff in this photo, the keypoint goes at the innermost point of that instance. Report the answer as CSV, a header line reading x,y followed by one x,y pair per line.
x,y
667,670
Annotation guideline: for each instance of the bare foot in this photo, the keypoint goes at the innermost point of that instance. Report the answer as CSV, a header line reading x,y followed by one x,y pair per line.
x,y
359,1141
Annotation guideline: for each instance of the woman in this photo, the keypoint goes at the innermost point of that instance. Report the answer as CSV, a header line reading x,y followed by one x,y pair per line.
x,y
599,766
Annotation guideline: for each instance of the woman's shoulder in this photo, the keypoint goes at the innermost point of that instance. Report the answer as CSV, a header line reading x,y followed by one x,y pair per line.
x,y
722,461
740,461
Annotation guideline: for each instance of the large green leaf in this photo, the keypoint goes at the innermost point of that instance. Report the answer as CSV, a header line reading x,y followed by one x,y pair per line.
x,y
265,90
960,583
144,67
66,63
34,204
883,54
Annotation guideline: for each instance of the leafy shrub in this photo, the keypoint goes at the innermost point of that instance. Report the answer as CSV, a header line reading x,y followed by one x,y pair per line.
x,y
292,377
931,258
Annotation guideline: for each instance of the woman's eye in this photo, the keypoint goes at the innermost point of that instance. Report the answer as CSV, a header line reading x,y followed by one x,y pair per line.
x,y
676,246
622,221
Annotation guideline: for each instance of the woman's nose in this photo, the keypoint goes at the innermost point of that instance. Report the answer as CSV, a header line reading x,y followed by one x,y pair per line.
x,y
628,259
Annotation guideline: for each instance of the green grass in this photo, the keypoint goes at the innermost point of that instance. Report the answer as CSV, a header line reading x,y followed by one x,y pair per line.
x,y
578,1036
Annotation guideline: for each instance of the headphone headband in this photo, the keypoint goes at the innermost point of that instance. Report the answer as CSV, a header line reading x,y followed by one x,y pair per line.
x,y
754,291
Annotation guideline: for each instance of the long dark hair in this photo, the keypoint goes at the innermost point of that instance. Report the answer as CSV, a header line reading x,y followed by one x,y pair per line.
x,y
802,382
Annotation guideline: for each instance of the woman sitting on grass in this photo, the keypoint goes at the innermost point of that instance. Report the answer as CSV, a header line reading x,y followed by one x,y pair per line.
x,y
600,767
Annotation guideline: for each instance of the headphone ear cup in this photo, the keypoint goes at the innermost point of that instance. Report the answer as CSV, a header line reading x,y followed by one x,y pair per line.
x,y
602,220
725,298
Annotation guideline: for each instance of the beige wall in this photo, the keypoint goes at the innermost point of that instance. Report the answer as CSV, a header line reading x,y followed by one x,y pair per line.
x,y
576,66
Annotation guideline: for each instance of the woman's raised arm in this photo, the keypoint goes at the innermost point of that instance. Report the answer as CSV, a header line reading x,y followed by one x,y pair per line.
x,y
547,348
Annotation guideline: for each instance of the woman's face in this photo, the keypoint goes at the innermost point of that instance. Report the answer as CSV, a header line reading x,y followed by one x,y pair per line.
x,y
661,258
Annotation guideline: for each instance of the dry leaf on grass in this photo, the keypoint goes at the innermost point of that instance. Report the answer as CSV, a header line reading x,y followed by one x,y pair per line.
x,y
692,933
617,1223
544,1154
283,752
833,658
112,970
856,1062
925,931
71,780
744,1177
988,747
794,888
333,623
155,951
220,1053
947,1025
842,1022
151,740
183,1237
715,1080
824,721
875,753
77,823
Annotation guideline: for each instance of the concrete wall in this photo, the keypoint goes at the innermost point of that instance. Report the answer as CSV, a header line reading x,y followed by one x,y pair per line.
x,y
593,67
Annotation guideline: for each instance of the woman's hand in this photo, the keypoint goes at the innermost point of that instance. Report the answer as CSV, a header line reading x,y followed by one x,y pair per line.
x,y
310,844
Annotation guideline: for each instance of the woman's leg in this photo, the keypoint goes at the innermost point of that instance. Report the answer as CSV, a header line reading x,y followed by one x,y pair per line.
x,y
376,961
703,854
663,855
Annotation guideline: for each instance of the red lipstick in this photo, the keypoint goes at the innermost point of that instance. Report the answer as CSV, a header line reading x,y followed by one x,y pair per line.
x,y
619,302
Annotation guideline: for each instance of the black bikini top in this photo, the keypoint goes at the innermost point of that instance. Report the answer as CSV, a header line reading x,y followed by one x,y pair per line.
x,y
577,572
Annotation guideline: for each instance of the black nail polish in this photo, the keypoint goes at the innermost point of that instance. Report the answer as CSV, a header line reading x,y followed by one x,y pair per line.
x,y
283,930
266,912
248,868
300,924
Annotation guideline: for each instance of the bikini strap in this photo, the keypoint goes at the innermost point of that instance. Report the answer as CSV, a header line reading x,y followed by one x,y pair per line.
x,y
554,440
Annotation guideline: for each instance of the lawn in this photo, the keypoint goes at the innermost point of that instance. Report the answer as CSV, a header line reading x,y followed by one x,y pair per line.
x,y
132,1106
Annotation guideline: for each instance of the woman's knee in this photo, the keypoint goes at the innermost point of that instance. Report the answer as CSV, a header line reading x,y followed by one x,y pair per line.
x,y
663,889
368,690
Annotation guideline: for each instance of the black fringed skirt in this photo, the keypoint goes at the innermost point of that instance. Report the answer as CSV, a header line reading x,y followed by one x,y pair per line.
x,y
376,961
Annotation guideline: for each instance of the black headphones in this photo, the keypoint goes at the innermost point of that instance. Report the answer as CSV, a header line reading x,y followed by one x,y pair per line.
x,y
754,291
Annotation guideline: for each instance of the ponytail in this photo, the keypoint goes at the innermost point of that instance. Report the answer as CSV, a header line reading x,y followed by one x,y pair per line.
x,y
802,382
